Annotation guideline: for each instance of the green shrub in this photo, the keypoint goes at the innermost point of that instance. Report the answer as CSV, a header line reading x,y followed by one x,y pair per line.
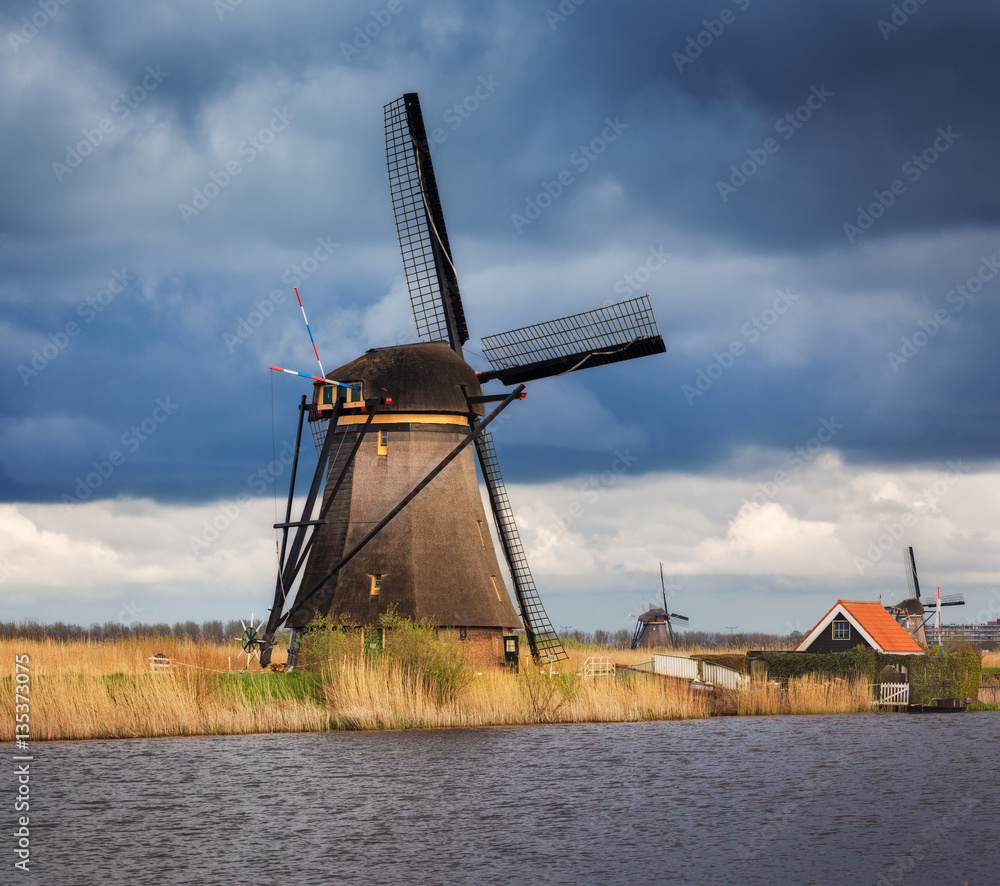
x,y
931,676
547,693
415,646
324,646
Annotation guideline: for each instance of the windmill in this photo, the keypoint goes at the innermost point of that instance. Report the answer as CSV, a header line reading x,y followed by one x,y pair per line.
x,y
914,613
250,639
654,626
401,524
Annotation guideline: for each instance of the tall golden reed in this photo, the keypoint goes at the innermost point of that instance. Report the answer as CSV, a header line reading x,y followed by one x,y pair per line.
x,y
809,694
104,690
381,695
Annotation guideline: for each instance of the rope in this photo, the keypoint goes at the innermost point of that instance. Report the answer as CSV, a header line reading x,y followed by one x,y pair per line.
x,y
595,353
427,208
174,661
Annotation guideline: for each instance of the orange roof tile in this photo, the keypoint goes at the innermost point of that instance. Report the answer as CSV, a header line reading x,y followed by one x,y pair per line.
x,y
882,627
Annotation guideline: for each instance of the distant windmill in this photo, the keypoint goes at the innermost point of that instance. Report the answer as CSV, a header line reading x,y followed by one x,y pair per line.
x,y
655,626
914,613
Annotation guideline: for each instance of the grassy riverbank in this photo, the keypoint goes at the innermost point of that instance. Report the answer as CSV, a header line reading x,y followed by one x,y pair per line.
x,y
106,690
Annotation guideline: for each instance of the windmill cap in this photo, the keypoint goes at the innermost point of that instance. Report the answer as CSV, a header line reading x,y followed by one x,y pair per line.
x,y
423,377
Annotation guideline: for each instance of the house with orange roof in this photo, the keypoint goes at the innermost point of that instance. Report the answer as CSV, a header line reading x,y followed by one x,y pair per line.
x,y
851,623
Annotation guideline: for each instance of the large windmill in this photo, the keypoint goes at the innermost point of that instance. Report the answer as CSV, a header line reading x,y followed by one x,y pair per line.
x,y
655,626
401,525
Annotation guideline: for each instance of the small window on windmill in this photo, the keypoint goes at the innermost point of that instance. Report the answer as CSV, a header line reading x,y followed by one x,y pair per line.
x,y
383,442
326,394
351,395
323,398
841,630
376,585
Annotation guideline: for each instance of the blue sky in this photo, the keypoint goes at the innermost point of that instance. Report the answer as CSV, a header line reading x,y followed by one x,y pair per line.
x,y
808,193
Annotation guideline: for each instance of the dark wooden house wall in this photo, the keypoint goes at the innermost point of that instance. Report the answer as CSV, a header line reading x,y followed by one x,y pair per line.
x,y
825,643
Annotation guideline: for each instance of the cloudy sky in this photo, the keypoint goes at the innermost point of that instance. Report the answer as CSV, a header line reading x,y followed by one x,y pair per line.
x,y
808,193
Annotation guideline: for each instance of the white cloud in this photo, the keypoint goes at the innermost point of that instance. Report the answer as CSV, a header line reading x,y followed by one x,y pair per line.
x,y
809,533
78,563
737,547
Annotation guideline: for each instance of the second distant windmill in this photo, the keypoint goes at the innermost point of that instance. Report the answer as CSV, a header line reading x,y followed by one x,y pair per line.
x,y
655,626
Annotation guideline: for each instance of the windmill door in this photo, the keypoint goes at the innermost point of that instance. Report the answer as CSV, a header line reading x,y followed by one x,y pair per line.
x,y
510,655
374,640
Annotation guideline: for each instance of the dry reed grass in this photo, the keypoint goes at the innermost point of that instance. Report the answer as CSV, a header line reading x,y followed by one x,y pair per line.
x,y
107,690
991,659
809,694
149,705
381,695
79,657
103,690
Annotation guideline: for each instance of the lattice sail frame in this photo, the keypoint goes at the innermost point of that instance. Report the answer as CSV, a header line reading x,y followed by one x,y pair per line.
x,y
423,239
542,638
607,334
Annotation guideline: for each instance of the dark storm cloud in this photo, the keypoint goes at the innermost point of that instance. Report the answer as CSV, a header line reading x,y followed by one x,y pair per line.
x,y
886,100
646,109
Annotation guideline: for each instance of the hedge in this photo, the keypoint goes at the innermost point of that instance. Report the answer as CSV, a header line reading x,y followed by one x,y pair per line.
x,y
735,660
927,673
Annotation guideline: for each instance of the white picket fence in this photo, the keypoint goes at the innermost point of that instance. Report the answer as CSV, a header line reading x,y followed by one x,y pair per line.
x,y
719,675
894,693
675,666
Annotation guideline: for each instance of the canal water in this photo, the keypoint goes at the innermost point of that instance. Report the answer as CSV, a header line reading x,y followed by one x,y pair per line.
x,y
862,799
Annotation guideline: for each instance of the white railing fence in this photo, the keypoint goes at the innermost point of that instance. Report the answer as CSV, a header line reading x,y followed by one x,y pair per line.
x,y
599,666
675,666
720,675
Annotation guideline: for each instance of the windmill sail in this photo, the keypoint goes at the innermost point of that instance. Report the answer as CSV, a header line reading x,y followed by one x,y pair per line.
x,y
609,334
910,567
439,315
542,638
666,610
423,240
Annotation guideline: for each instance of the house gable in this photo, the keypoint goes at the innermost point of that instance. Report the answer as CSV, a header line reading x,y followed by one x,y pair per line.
x,y
851,623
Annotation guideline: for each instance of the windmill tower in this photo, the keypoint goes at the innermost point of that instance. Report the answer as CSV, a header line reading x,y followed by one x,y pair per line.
x,y
655,626
401,524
